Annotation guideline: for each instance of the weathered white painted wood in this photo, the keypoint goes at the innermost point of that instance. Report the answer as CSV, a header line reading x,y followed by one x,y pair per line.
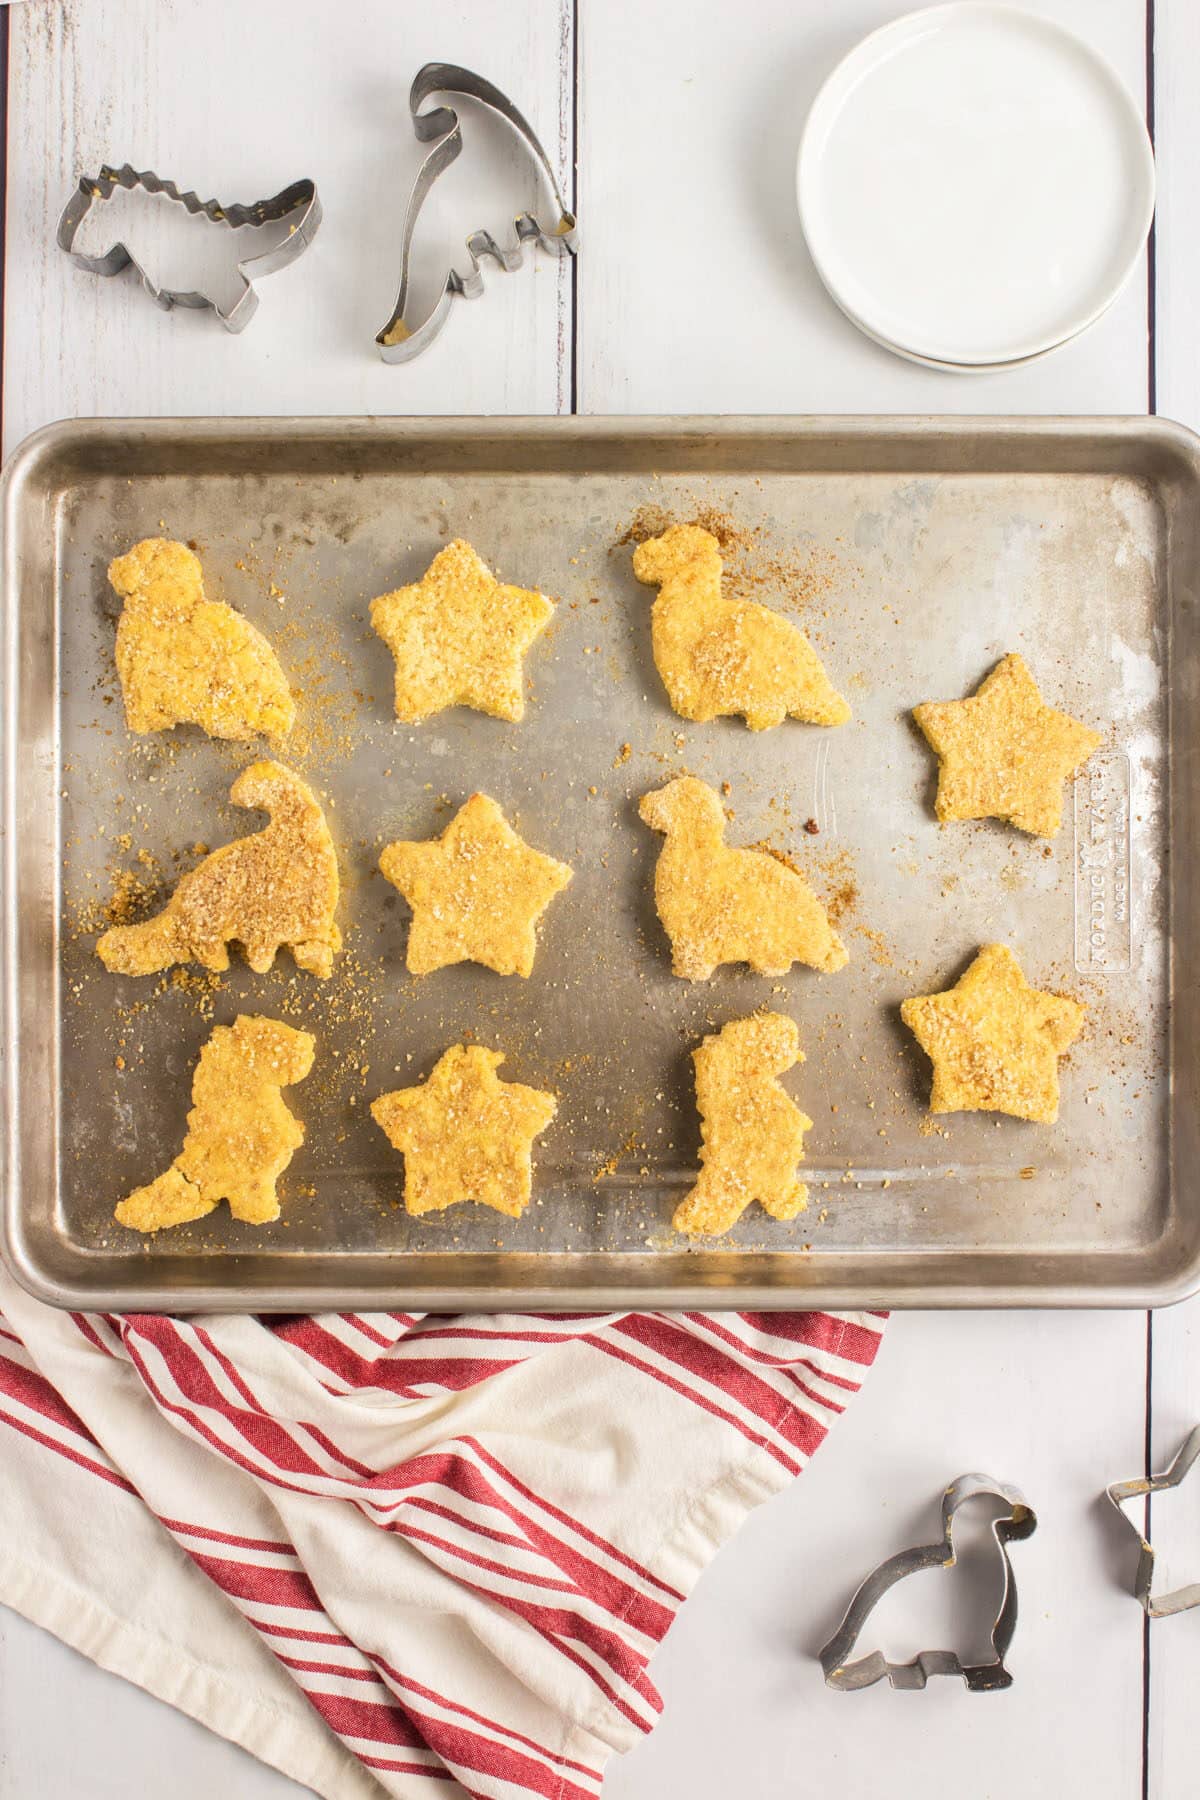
x,y
703,299
747,1712
695,294
1175,1388
1177,243
236,101
70,1729
1034,1397
696,290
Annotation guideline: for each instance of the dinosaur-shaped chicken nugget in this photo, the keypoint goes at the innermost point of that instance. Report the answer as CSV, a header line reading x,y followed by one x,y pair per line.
x,y
240,1135
720,905
278,886
753,1133
185,659
718,656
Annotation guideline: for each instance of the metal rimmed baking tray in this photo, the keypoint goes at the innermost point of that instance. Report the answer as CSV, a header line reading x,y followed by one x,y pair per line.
x,y
915,551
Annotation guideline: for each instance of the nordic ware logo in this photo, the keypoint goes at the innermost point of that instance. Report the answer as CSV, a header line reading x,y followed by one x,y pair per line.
x,y
1103,930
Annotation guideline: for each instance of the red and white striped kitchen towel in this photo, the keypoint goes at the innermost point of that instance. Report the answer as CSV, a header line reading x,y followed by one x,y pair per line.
x,y
393,1554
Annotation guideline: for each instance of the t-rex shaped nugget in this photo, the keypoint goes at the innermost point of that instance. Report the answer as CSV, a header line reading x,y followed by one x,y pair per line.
x,y
1004,753
465,1134
719,656
277,886
993,1040
184,659
458,637
720,905
240,1135
476,892
753,1134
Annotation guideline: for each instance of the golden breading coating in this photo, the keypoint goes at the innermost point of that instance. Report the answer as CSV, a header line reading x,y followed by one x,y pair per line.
x,y
277,886
1004,753
465,1134
753,1134
458,636
994,1041
719,656
720,905
476,892
240,1135
184,659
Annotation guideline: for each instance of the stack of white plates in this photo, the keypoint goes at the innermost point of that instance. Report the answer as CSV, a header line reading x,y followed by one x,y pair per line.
x,y
975,185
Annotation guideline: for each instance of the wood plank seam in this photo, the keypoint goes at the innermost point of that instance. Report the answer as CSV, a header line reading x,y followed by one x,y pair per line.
x,y
1151,407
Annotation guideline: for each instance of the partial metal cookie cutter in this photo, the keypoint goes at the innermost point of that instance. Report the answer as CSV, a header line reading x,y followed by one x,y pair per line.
x,y
1121,1491
400,340
1020,1521
300,199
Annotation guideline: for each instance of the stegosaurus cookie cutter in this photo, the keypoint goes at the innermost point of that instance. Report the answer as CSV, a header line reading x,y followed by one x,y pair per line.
x,y
399,340
1020,1521
299,200
1180,1599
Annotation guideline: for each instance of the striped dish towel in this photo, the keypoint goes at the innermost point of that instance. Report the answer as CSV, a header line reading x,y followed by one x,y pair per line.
x,y
392,1554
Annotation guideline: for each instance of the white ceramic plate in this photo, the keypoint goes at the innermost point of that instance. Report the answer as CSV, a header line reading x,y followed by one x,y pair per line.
x,y
975,184
959,368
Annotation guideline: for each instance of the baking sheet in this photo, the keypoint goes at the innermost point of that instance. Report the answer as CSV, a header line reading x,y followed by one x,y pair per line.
x,y
915,554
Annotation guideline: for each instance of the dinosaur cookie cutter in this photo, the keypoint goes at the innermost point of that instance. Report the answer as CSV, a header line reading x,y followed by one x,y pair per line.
x,y
1020,1521
400,339
1119,1492
299,201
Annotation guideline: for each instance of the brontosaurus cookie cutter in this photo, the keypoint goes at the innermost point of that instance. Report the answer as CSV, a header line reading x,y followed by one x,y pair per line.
x,y
1121,1491
299,201
400,340
1020,1521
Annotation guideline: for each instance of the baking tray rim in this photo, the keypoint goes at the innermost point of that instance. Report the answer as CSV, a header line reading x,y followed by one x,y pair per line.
x,y
1164,1272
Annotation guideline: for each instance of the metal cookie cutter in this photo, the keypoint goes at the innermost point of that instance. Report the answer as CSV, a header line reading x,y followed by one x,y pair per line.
x,y
1120,1491
300,200
400,340
1019,1522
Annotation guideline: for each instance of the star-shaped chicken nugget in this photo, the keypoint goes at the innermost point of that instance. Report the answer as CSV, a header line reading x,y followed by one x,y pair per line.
x,y
721,905
240,1135
753,1133
477,892
1004,753
994,1041
465,1134
458,636
720,656
186,659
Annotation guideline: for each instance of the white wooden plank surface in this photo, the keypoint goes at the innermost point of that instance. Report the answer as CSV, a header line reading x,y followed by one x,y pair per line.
x,y
120,1743
719,310
696,291
1174,1644
1027,1396
236,101
694,294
